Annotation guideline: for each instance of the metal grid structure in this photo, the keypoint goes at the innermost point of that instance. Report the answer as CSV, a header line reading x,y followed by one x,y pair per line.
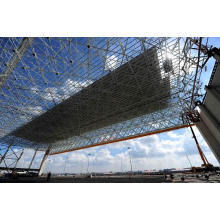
x,y
68,93
10,156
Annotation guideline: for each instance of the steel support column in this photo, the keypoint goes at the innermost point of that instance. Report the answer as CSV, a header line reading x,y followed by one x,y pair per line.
x,y
35,152
43,161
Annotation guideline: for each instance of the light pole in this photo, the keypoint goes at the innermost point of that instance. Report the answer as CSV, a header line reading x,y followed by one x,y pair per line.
x,y
81,169
49,165
188,159
88,163
121,166
130,157
64,171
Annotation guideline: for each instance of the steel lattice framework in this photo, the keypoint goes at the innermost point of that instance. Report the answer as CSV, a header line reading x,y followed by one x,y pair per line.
x,y
69,93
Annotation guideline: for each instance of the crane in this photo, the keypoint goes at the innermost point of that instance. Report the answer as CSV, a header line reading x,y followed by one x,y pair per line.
x,y
194,116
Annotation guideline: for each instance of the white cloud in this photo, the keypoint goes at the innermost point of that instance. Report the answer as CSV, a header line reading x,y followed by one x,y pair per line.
x,y
69,88
111,62
27,156
147,153
51,94
34,110
172,134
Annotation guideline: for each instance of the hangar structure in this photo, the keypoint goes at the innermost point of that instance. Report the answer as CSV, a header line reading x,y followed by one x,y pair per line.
x,y
64,94
209,118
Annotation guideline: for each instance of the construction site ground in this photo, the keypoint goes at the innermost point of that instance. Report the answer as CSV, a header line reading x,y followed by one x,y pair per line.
x,y
176,178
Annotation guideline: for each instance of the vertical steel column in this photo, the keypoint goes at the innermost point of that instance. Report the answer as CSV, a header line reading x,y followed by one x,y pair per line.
x,y
43,161
32,160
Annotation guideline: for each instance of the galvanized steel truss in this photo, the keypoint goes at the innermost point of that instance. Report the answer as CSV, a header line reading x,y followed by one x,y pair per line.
x,y
39,74
10,156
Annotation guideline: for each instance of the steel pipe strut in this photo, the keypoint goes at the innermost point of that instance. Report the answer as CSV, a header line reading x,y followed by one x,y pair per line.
x,y
19,53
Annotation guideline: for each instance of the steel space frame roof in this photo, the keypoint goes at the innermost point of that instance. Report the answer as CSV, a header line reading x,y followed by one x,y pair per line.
x,y
37,75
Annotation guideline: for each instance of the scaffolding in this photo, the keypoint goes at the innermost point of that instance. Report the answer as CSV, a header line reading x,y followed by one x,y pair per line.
x,y
65,94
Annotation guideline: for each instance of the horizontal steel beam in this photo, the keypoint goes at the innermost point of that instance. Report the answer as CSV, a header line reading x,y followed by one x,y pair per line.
x,y
126,138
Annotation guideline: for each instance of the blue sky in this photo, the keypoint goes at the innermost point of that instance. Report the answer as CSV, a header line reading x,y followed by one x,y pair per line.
x,y
166,150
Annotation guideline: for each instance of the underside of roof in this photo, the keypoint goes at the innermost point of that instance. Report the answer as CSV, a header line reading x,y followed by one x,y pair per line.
x,y
120,95
68,93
